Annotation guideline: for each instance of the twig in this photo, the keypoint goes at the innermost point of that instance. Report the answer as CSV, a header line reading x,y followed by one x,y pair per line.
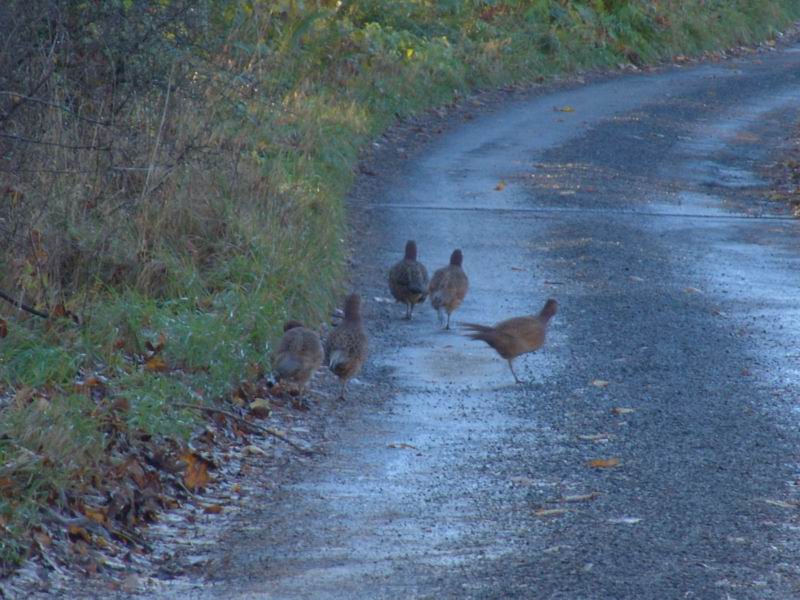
x,y
235,417
23,306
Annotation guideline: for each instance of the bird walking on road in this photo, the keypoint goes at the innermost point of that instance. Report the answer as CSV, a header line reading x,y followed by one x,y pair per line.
x,y
346,346
299,354
516,336
448,287
408,279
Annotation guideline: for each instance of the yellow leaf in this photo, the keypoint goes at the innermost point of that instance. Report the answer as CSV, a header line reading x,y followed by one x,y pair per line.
x,y
97,515
603,463
409,52
566,109
501,185
156,364
196,475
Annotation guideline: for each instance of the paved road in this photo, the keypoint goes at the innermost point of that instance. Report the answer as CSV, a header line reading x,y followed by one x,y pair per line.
x,y
639,209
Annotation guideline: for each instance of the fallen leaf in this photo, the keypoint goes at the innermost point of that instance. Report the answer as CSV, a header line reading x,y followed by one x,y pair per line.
x,y
402,446
625,521
196,475
550,512
500,186
781,503
600,383
521,480
76,532
745,372
98,515
618,410
42,538
692,290
581,497
3,328
603,463
565,109
260,408
595,437
120,405
255,450
518,269
155,364
213,509
635,278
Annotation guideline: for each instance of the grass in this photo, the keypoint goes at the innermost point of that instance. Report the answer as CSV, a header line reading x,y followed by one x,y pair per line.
x,y
187,178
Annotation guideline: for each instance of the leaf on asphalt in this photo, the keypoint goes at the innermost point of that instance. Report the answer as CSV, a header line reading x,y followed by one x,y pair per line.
x,y
196,475
618,410
566,109
692,290
600,383
3,328
155,364
402,446
625,521
581,497
603,463
781,503
551,512
595,437
521,480
213,509
745,372
520,269
500,186
636,279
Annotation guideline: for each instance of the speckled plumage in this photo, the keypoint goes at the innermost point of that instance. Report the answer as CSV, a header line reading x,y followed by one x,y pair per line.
x,y
516,336
346,347
299,354
448,287
408,279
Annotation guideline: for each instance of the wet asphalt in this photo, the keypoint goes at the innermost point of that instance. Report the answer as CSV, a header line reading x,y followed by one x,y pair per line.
x,y
636,202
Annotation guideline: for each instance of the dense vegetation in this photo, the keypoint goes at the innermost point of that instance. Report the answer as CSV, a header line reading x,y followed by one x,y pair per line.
x,y
173,172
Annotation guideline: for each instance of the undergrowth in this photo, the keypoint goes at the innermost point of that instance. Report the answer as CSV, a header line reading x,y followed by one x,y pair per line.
x,y
173,176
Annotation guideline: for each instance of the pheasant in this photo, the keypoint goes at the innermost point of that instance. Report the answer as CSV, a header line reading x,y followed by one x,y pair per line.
x,y
346,346
516,336
448,287
299,354
408,279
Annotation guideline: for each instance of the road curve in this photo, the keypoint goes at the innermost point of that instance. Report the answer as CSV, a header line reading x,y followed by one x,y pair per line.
x,y
636,202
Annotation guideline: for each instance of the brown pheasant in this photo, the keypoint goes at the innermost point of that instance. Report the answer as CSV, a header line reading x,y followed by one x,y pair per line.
x,y
516,336
448,287
299,354
346,346
408,279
